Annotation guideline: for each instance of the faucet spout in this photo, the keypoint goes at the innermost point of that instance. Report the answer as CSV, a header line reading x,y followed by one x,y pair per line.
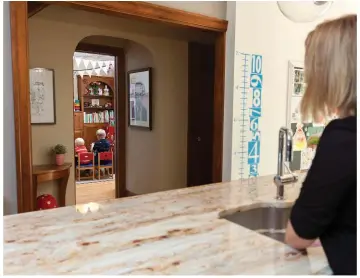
x,y
284,133
285,140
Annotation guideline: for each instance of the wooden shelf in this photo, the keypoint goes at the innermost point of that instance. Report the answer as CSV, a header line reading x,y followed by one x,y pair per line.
x,y
97,108
87,131
95,124
94,96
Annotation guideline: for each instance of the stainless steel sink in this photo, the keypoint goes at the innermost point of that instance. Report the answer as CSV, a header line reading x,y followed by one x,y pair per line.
x,y
268,221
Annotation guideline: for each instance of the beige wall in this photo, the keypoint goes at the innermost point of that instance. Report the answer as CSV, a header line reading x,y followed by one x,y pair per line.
x,y
10,198
155,160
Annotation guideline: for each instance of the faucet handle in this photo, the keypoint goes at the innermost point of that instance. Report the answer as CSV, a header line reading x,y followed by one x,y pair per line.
x,y
289,147
289,152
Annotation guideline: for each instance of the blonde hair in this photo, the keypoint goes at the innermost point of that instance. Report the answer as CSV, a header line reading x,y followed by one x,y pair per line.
x,y
79,142
101,132
330,70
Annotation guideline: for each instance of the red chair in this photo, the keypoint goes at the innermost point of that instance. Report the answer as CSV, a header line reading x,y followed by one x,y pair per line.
x,y
110,136
89,166
105,161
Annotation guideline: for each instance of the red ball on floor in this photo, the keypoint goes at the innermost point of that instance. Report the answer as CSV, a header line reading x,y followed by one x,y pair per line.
x,y
46,201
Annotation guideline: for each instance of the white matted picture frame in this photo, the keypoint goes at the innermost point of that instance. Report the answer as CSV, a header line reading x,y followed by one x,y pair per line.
x,y
42,96
140,98
296,89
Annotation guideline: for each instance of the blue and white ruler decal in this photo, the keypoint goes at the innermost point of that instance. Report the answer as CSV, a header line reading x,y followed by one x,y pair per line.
x,y
256,80
247,114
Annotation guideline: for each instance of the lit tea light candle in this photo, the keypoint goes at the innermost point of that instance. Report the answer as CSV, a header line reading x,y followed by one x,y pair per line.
x,y
90,207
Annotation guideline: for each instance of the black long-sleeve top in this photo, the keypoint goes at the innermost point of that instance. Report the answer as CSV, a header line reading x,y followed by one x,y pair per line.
x,y
326,207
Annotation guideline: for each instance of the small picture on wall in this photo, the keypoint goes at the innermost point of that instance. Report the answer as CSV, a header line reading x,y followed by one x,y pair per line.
x,y
298,82
298,89
295,112
140,94
299,76
42,96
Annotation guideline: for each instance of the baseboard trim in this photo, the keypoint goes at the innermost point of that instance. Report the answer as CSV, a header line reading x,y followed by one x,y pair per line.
x,y
130,194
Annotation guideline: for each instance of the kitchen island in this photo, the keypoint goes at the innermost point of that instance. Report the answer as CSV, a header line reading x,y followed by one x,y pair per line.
x,y
174,232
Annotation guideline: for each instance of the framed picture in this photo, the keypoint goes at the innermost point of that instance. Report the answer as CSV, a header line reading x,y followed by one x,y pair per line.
x,y
139,98
296,89
302,131
42,96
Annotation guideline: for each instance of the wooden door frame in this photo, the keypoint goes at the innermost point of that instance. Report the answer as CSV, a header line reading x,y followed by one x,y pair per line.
x,y
120,110
134,10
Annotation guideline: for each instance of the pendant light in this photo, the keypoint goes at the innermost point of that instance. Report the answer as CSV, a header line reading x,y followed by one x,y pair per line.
x,y
303,11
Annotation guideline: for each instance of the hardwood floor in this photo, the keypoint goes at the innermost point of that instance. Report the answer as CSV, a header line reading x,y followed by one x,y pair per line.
x,y
95,191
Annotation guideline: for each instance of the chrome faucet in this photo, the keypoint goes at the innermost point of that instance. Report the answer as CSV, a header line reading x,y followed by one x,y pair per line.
x,y
280,179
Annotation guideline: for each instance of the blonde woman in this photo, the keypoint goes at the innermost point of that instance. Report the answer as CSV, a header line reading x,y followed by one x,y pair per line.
x,y
326,207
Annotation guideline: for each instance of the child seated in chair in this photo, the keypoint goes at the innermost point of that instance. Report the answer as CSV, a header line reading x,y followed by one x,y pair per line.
x,y
80,148
101,145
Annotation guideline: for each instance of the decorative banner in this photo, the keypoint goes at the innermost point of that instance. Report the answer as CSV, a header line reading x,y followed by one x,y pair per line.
x,y
110,71
98,71
78,62
91,67
102,72
93,64
247,134
86,63
107,65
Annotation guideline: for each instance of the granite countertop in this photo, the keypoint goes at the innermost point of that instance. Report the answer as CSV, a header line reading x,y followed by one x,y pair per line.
x,y
173,232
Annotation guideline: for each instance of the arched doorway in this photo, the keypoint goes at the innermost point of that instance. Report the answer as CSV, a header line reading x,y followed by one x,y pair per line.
x,y
107,60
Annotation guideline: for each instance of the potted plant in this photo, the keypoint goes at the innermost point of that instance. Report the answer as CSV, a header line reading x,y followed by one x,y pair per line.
x,y
59,150
313,141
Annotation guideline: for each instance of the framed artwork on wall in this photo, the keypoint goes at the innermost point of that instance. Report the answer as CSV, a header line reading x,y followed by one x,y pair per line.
x,y
42,96
139,98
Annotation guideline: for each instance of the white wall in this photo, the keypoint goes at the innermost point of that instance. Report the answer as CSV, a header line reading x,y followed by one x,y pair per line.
x,y
262,29
9,160
229,85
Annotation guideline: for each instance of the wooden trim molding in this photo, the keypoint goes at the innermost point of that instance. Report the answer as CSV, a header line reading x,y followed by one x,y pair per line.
x,y
34,7
20,72
129,9
148,11
219,87
130,194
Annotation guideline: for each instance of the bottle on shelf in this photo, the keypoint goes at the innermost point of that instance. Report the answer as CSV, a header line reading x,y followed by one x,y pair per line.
x,y
106,91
